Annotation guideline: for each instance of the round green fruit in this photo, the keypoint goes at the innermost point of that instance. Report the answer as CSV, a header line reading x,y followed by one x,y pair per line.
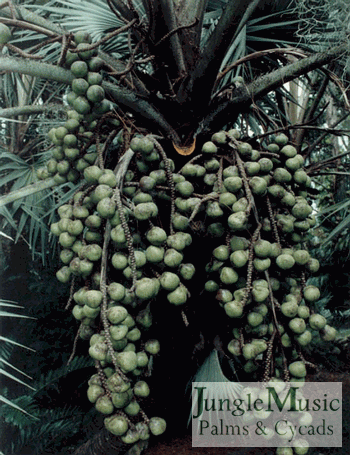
x,y
146,288
297,369
297,325
317,321
328,333
234,309
178,296
117,424
157,425
95,93
5,34
285,261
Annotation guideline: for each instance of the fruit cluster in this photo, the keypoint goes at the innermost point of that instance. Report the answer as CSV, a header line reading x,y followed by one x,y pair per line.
x,y
74,142
254,202
126,237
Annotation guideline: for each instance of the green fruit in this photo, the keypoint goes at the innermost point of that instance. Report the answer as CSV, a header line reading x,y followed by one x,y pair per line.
x,y
117,424
156,236
95,93
219,137
258,185
116,291
146,288
297,369
179,240
140,259
185,189
234,347
260,293
266,165
80,86
301,210
311,293
281,175
317,321
211,286
154,254
209,147
239,258
173,258
187,271
94,392
169,281
118,332
85,52
297,325
106,207
228,276
63,274
239,243
92,174
93,298
5,34
221,253
286,340
237,221
141,389
244,149
249,351
127,360
304,338
117,314
261,264
281,139
66,240
98,351
252,168
134,334
157,425
213,209
289,309
81,105
118,236
328,333
301,257
178,296
288,151
254,319
93,221
132,409
233,184
152,346
227,199
262,248
240,205
293,164
285,261
300,177
303,311
146,210
104,405
234,309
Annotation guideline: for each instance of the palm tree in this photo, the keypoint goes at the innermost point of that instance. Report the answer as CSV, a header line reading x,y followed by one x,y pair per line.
x,y
175,71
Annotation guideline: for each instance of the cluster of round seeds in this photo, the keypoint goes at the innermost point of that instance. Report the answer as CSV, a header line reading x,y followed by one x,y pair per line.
x,y
73,142
125,242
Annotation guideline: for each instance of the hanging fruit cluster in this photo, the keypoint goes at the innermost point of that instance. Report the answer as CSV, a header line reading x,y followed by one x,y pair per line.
x,y
74,144
126,241
254,202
